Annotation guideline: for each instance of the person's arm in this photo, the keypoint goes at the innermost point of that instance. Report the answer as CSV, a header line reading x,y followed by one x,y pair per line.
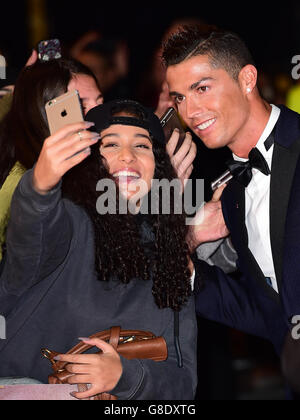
x,y
227,299
220,253
39,230
38,237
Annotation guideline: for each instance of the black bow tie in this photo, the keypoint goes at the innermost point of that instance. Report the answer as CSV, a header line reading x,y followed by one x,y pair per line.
x,y
242,171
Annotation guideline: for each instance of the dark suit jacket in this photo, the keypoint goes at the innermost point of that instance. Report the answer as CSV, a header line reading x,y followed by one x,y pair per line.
x,y
246,302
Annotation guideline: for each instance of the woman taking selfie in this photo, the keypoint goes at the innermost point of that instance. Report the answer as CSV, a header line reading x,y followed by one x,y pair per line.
x,y
71,272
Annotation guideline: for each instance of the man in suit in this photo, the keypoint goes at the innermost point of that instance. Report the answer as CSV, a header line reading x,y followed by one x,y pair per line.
x,y
213,80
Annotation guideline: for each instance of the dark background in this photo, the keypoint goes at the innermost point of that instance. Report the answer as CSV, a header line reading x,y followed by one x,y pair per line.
x,y
231,365
271,29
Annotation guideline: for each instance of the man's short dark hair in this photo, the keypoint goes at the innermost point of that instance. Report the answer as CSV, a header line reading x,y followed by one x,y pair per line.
x,y
225,49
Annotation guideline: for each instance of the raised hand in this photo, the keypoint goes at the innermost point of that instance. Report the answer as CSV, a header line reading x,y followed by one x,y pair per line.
x,y
61,152
208,224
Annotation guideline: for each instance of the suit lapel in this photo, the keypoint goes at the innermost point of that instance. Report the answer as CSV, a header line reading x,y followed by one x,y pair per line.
x,y
234,201
234,207
285,157
283,168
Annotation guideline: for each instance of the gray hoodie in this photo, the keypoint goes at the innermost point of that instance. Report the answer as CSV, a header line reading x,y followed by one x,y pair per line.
x,y
50,296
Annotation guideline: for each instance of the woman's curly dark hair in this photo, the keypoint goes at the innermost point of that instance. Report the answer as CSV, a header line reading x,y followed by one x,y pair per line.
x,y
118,246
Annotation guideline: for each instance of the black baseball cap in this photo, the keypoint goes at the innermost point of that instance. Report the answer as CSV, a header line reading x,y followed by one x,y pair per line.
x,y
111,113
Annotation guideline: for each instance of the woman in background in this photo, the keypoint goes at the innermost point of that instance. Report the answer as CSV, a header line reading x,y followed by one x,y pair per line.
x,y
25,126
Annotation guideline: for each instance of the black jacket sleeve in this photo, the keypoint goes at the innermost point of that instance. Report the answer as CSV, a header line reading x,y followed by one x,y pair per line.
x,y
226,299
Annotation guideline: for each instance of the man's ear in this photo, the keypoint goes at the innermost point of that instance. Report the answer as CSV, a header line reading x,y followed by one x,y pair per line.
x,y
248,79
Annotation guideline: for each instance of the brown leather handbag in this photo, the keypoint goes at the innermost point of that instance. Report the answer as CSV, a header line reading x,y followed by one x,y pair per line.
x,y
128,343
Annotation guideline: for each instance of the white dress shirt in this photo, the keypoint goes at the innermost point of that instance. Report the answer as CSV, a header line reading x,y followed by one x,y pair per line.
x,y
257,205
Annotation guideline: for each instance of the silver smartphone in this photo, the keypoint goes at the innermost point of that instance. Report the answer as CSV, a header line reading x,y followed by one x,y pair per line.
x,y
223,179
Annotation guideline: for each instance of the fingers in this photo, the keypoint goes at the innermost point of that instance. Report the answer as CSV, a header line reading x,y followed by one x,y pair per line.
x,y
61,152
79,369
184,158
66,159
218,193
32,59
70,147
185,148
86,358
84,379
67,131
186,164
172,143
60,149
102,371
100,344
79,379
187,174
75,160
92,392
185,155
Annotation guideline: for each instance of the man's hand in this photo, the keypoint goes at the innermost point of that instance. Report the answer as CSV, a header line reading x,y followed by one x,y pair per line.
x,y
208,224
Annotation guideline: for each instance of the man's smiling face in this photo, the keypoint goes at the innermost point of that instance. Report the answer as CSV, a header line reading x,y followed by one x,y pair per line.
x,y
209,100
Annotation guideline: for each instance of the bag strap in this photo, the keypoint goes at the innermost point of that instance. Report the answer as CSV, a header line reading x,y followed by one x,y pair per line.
x,y
115,337
112,336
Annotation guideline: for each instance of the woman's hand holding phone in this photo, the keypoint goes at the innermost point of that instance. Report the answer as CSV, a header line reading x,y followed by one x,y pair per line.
x,y
182,161
61,152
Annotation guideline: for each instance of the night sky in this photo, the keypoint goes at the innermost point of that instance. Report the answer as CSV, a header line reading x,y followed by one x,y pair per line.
x,y
270,29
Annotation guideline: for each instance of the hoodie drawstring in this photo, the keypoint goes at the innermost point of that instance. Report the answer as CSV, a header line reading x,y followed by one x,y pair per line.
x,y
177,340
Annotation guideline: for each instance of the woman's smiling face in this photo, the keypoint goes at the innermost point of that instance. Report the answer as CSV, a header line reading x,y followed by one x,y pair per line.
x,y
128,152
